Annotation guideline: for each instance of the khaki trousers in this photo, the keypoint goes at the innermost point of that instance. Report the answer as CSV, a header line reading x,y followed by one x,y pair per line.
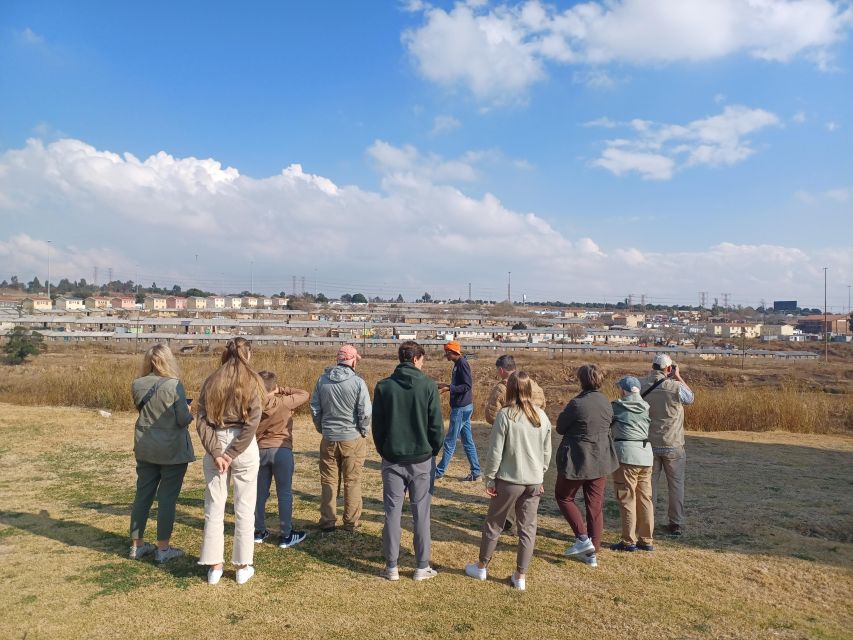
x,y
347,459
673,463
633,486
523,500
243,473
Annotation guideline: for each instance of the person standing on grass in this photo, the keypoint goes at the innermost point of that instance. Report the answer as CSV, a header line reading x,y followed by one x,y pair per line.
x,y
518,456
407,432
505,367
340,407
633,479
229,410
162,448
275,441
461,394
585,458
667,393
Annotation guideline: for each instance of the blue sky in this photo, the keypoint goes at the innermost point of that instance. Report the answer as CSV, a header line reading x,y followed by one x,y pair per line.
x,y
595,150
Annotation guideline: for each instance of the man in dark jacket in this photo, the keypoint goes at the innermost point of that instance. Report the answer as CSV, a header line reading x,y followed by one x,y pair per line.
x,y
461,394
407,431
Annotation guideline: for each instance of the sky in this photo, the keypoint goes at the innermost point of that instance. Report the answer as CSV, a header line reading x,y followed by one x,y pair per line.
x,y
582,151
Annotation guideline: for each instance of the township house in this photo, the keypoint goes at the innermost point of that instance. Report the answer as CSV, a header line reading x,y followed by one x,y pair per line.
x,y
98,303
155,303
177,303
835,323
233,302
216,302
37,303
627,320
123,302
249,302
734,329
278,302
196,303
63,303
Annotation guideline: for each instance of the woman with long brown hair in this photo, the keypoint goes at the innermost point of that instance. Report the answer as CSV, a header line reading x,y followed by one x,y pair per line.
x,y
162,448
518,456
229,409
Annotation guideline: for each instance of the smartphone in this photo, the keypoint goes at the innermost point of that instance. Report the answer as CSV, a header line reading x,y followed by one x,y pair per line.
x,y
189,402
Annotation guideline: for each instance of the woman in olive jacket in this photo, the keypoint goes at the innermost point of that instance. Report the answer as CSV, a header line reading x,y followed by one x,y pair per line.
x,y
162,449
585,458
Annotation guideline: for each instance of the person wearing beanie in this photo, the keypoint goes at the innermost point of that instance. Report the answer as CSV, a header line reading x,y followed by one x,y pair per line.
x,y
340,408
667,393
632,481
461,395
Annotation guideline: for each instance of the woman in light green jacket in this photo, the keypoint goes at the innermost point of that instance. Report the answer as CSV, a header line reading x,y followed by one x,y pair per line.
x,y
633,478
515,464
162,449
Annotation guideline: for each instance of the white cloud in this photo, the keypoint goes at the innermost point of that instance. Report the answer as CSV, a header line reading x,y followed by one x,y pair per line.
x,y
444,124
832,127
799,117
840,196
657,150
29,37
417,233
407,160
594,79
498,52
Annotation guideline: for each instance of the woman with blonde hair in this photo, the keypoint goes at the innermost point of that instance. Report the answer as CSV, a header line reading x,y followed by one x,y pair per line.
x,y
162,448
518,456
229,410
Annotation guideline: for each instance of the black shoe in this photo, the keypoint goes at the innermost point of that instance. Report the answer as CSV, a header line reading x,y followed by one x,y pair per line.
x,y
260,536
621,546
328,530
675,530
507,527
642,546
471,477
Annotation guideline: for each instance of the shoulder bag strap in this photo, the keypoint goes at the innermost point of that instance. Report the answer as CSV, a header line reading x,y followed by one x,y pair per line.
x,y
149,395
653,387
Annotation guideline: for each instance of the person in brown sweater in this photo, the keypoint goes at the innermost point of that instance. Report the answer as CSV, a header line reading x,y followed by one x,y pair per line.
x,y
275,441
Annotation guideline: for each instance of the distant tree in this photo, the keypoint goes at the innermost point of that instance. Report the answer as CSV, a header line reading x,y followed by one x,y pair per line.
x,y
34,286
426,297
321,298
140,298
20,344
358,298
198,293
575,332
400,298
698,339
15,284
504,308
346,298
176,289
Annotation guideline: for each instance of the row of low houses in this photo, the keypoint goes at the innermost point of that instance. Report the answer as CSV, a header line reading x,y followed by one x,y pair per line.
x,y
152,303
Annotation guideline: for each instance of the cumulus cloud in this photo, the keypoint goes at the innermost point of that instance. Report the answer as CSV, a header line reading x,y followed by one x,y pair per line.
x,y
839,195
418,233
657,150
498,52
444,124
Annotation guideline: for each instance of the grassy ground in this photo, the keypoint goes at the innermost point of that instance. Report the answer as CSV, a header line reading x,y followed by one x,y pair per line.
x,y
769,552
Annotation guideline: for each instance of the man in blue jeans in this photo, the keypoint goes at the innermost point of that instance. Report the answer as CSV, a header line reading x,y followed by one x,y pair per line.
x,y
461,408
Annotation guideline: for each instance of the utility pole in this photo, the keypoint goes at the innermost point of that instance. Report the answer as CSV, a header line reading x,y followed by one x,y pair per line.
x,y
643,301
469,293
293,286
109,275
848,299
95,275
509,286
763,311
825,327
726,301
48,268
303,285
703,297
251,277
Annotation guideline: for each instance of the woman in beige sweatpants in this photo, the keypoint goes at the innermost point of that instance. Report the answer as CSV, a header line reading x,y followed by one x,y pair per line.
x,y
229,410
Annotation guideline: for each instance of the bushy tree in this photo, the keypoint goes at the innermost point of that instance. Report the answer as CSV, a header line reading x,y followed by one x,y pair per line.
x,y
20,344
359,298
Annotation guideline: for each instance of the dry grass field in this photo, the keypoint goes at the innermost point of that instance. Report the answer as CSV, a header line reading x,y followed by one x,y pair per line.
x,y
768,551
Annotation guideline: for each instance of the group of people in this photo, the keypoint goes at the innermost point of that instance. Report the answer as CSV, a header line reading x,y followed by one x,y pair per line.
x,y
245,424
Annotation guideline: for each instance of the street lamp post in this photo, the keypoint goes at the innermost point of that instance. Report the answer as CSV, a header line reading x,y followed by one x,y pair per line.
x,y
825,327
49,242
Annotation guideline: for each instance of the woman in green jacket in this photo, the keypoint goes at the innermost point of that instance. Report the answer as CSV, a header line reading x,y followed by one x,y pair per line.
x,y
162,449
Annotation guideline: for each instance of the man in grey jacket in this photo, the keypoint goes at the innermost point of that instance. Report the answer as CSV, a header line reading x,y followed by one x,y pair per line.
x,y
340,407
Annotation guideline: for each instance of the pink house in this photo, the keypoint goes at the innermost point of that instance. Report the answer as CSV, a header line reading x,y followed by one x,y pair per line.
x,y
176,302
123,302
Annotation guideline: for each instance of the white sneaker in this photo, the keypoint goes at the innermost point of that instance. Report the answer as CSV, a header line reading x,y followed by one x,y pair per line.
x,y
589,560
424,574
213,575
137,553
390,573
518,582
473,570
244,574
580,547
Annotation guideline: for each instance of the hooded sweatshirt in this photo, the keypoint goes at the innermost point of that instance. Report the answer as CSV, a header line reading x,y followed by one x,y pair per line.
x,y
631,430
340,404
407,423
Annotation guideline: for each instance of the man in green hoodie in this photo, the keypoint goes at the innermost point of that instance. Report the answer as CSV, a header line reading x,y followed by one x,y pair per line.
x,y
408,434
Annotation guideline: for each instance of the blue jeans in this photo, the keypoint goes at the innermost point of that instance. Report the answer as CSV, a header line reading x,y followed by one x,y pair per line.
x,y
460,427
275,463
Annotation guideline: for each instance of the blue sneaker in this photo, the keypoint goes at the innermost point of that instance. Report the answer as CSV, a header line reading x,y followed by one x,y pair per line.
x,y
644,546
622,546
293,539
471,477
260,536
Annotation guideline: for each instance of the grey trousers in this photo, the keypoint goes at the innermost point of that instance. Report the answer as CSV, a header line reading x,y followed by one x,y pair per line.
x,y
524,501
275,463
674,465
163,481
397,479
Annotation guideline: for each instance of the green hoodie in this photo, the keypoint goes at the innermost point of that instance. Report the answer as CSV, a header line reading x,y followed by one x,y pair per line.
x,y
631,430
407,421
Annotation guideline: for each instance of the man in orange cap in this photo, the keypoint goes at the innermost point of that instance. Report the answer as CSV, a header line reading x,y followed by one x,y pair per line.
x,y
461,407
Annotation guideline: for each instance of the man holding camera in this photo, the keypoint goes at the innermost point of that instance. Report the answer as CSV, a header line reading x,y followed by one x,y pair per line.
x,y
667,393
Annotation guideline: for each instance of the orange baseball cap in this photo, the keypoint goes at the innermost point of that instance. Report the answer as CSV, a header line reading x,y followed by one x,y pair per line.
x,y
453,346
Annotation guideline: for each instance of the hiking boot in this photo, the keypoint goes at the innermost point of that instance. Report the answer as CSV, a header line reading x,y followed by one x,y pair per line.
x,y
260,536
424,574
580,547
169,553
473,570
623,546
295,537
137,553
390,573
